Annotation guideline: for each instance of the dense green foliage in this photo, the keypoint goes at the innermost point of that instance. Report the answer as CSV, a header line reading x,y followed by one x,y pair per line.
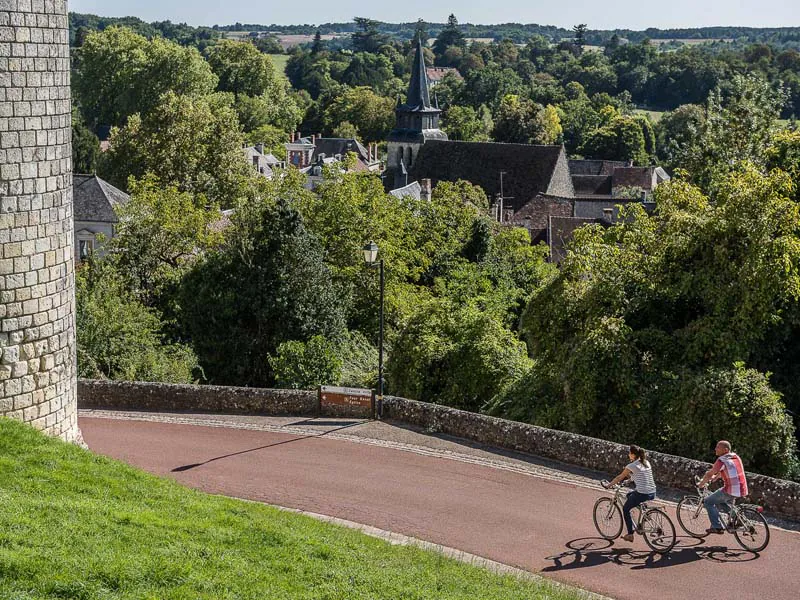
x,y
641,327
120,338
123,534
193,143
118,73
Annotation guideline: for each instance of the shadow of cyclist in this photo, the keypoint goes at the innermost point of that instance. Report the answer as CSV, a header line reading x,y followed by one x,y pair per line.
x,y
591,552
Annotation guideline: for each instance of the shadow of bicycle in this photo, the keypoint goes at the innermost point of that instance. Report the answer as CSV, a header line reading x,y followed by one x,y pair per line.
x,y
592,552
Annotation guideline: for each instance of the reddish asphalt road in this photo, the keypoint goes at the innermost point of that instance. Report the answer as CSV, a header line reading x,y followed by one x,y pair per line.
x,y
535,524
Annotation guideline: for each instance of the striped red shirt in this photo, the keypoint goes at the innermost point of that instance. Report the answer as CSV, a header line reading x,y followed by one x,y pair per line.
x,y
732,471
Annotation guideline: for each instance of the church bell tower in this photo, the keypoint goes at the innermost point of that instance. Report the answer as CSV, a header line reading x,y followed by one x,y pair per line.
x,y
417,122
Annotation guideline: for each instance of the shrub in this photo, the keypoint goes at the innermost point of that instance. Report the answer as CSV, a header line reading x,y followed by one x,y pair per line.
x,y
735,404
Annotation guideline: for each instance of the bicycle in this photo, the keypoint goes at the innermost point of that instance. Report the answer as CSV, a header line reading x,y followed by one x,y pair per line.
x,y
652,523
745,521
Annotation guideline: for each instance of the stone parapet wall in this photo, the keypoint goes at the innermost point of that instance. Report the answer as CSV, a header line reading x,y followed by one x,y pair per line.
x,y
166,397
776,495
37,291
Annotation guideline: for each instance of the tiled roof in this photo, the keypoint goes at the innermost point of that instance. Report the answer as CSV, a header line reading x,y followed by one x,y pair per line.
x,y
641,177
436,74
591,185
331,147
95,199
529,169
594,167
413,189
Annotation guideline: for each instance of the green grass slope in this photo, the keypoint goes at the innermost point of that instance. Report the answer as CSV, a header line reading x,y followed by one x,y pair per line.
x,y
79,526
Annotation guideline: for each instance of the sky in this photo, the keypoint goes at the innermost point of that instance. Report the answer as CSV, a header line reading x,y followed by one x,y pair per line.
x,y
603,14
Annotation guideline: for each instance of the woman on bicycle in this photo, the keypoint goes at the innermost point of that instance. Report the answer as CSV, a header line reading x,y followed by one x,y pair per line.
x,y
641,472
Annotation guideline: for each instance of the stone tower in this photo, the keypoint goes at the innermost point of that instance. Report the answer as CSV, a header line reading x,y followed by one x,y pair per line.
x,y
37,283
417,122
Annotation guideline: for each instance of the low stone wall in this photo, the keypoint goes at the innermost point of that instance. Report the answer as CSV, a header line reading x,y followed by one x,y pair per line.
x,y
166,397
776,495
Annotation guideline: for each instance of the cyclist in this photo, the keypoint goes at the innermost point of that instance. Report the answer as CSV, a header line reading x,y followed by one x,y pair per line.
x,y
729,467
641,472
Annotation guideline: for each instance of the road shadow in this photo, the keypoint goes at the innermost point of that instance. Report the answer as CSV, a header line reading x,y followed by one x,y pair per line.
x,y
184,468
592,552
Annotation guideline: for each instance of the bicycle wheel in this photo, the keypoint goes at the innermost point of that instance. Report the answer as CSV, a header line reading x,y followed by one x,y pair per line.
x,y
658,530
607,518
692,516
752,530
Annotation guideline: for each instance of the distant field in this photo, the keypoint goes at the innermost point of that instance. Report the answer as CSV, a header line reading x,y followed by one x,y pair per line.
x,y
691,41
655,115
280,60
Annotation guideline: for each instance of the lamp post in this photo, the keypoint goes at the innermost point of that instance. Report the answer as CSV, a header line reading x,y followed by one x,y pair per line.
x,y
371,258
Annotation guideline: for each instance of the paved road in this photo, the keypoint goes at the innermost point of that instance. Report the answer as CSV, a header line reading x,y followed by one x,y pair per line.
x,y
530,522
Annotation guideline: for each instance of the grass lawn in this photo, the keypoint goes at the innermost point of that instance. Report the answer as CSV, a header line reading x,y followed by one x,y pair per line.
x,y
280,61
79,526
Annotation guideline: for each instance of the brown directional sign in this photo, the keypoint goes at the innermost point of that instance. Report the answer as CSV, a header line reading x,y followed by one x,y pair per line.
x,y
343,396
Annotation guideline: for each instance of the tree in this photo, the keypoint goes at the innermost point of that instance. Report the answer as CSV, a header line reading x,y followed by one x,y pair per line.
x,y
268,45
523,122
366,37
118,73
85,146
345,129
676,133
371,114
456,356
267,286
621,139
371,70
736,128
306,365
161,233
580,36
118,337
317,45
450,36
193,144
241,68
466,124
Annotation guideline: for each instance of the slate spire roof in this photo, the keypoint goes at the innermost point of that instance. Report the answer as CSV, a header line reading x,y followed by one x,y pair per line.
x,y
419,95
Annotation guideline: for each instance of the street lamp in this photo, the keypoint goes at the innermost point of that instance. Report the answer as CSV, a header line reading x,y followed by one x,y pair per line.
x,y
371,258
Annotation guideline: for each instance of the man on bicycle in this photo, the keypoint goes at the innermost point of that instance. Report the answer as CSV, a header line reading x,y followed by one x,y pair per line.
x,y
729,467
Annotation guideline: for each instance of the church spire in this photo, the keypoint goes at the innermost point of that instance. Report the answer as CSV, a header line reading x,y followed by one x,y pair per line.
x,y
418,93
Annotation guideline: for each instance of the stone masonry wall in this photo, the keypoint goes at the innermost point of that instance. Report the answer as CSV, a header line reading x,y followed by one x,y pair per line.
x,y
164,397
776,495
37,333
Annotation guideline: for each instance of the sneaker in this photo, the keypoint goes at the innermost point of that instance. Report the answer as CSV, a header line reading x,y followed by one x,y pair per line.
x,y
628,537
715,530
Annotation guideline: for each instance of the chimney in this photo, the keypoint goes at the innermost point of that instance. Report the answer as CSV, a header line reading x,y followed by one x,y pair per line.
x,y
608,215
260,147
313,139
425,191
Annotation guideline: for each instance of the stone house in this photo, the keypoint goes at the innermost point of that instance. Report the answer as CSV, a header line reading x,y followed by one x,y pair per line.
x,y
262,161
94,215
436,74
305,152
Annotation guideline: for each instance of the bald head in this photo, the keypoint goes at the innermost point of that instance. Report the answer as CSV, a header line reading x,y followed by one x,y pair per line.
x,y
723,447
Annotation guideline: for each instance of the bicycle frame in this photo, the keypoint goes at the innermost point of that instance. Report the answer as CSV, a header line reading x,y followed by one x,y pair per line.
x,y
733,517
621,495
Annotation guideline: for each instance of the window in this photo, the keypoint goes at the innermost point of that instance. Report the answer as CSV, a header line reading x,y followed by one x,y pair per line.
x,y
85,248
